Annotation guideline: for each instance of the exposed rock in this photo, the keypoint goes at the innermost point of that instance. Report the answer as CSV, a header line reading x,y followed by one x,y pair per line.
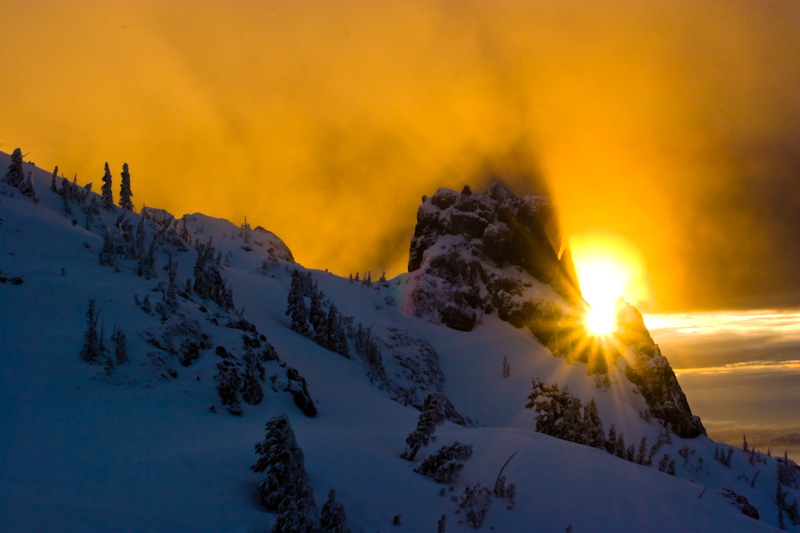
x,y
485,253
297,387
414,366
653,375
474,254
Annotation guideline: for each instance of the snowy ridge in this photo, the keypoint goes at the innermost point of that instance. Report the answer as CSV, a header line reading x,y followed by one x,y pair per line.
x,y
137,448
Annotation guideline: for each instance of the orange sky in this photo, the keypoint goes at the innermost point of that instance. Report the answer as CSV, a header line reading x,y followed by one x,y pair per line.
x,y
674,125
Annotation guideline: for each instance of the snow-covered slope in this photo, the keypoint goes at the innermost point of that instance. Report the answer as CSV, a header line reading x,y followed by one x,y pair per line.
x,y
150,444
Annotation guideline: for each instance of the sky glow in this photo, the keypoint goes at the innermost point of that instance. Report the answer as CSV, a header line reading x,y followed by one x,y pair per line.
x,y
672,125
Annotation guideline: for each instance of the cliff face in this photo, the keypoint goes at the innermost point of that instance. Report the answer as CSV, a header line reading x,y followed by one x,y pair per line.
x,y
482,253
475,254
650,371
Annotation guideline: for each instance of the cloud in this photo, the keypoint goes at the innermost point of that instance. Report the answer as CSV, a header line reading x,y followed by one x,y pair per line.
x,y
674,125
727,341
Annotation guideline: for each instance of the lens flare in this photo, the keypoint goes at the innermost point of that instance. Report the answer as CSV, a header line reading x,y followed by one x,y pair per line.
x,y
608,268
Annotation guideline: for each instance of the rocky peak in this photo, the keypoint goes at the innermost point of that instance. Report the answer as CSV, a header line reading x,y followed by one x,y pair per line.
x,y
650,371
481,253
475,254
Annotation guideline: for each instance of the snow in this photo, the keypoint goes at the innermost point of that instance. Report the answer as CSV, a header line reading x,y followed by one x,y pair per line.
x,y
83,451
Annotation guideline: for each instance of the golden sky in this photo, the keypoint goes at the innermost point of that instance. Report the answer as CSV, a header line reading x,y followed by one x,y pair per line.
x,y
673,125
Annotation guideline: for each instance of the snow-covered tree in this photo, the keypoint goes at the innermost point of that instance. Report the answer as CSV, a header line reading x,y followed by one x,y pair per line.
x,y
317,317
446,464
106,194
341,346
620,451
558,412
297,307
333,518
229,382
53,186
26,188
109,252
368,349
593,432
120,346
252,393
432,415
92,350
611,441
794,514
641,458
286,489
14,174
125,193
208,282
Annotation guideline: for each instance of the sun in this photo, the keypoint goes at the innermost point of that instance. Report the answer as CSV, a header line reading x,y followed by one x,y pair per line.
x,y
608,268
601,319
602,281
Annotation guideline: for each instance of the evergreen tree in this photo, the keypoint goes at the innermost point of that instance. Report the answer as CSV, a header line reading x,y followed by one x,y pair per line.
x,y
326,336
296,306
208,282
640,458
147,261
317,318
794,515
663,464
125,189
620,451
286,489
372,356
595,435
432,415
106,194
252,393
671,467
333,518
360,337
446,464
611,441
14,174
91,343
229,382
65,186
53,181
341,337
26,188
108,253
120,346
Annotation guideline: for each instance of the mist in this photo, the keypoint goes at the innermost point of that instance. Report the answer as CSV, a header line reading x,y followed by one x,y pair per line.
x,y
674,125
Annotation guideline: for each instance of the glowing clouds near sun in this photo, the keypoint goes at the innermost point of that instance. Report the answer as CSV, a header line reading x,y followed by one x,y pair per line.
x,y
672,124
608,268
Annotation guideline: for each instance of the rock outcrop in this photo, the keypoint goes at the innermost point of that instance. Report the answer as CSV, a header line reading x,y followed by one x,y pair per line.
x,y
652,374
486,253
476,254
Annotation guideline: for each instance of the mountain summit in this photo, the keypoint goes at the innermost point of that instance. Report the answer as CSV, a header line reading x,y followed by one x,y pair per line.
x,y
486,253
